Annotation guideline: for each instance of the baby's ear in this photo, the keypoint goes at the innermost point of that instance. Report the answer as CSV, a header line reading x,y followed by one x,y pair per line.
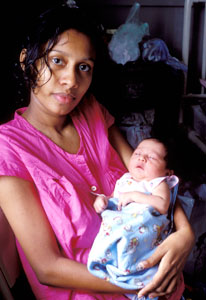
x,y
22,58
170,172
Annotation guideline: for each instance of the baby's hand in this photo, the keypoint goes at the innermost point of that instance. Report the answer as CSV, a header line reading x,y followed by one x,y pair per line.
x,y
100,203
124,199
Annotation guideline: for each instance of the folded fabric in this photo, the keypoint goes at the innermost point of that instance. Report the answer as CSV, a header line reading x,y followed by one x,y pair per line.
x,y
126,238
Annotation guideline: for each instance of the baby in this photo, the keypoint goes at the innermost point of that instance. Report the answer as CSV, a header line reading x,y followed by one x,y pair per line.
x,y
136,219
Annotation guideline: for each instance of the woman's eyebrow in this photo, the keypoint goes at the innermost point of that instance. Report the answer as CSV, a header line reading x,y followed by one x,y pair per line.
x,y
66,54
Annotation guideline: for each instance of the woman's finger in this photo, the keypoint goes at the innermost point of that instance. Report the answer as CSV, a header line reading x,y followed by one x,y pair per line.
x,y
158,288
165,290
173,292
154,259
161,280
171,262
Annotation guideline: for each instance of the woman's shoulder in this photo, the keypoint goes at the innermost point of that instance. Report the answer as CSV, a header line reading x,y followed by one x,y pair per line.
x,y
14,129
89,103
94,111
5,129
14,121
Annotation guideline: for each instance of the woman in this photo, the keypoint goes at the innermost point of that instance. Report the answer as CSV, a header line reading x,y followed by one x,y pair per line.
x,y
55,153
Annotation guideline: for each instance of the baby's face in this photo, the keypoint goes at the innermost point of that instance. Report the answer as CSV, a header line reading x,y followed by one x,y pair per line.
x,y
148,161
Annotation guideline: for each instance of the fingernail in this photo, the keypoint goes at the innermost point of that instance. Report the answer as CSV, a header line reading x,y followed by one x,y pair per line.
x,y
140,266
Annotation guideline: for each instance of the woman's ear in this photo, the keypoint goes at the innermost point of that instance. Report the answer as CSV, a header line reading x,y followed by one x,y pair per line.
x,y
22,58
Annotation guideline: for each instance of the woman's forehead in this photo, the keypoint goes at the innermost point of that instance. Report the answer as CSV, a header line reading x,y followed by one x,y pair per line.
x,y
77,40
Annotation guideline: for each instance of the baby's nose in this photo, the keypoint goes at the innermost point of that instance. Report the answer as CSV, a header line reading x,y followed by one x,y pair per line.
x,y
142,157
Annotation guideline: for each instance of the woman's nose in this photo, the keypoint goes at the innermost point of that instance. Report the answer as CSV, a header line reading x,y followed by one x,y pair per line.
x,y
69,77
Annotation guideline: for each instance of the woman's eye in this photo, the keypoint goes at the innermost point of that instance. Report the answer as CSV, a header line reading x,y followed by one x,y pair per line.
x,y
57,61
84,68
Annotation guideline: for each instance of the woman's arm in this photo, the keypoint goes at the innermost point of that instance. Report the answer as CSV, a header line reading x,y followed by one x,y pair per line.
x,y
172,255
20,203
120,144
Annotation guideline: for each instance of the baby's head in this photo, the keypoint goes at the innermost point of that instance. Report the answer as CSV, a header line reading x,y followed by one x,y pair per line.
x,y
150,160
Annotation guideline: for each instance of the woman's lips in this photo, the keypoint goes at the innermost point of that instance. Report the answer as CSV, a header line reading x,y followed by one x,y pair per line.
x,y
64,98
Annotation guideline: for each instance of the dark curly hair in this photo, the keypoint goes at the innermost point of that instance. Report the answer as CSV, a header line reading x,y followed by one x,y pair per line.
x,y
42,37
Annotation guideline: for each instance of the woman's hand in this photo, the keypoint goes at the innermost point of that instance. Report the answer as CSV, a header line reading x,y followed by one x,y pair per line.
x,y
171,256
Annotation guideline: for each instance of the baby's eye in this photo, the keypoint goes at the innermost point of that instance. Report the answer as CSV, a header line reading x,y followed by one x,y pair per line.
x,y
57,61
152,157
84,68
137,153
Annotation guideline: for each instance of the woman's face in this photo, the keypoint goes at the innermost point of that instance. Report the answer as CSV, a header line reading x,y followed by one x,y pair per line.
x,y
72,62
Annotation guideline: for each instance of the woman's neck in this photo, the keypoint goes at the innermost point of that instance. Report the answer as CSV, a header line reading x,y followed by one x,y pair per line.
x,y
61,131
44,121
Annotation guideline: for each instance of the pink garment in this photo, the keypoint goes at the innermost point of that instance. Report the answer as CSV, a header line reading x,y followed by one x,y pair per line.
x,y
64,182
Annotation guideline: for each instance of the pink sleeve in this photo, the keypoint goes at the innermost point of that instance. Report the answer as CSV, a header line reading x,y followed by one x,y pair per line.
x,y
92,109
10,161
107,116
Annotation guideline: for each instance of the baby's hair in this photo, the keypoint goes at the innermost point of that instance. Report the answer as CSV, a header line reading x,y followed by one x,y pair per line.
x,y
170,148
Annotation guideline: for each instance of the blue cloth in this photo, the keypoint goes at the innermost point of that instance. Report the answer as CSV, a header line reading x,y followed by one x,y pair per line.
x,y
126,238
